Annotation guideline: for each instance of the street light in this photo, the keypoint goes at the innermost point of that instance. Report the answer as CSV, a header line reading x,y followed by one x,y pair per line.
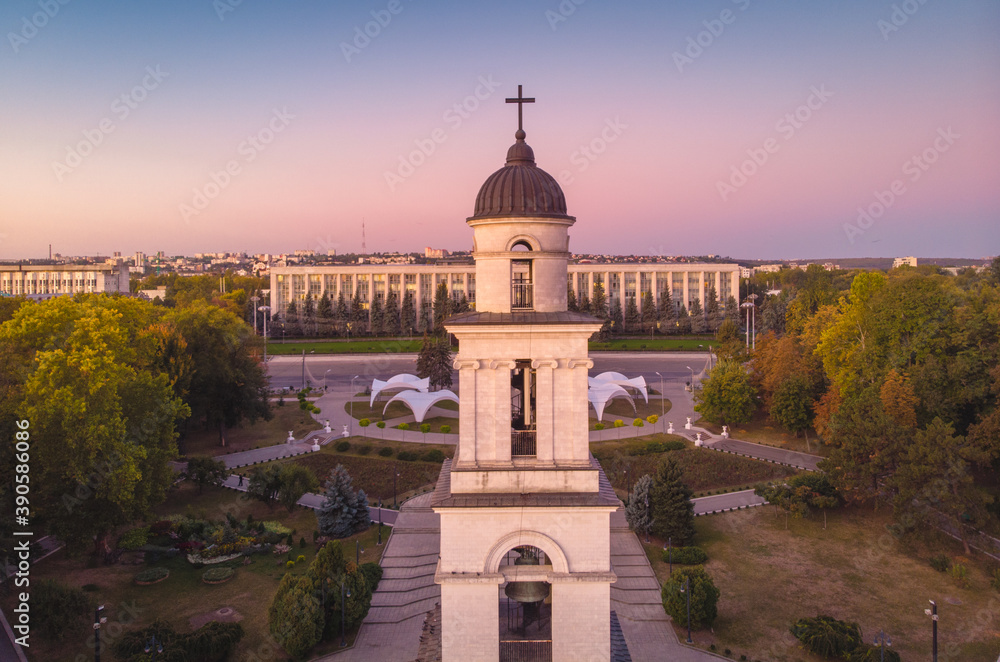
x,y
380,520
352,404
324,378
692,379
647,518
395,475
686,590
343,619
265,310
98,622
663,411
932,612
358,551
882,640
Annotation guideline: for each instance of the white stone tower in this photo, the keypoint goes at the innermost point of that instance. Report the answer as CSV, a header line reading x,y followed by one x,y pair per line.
x,y
522,501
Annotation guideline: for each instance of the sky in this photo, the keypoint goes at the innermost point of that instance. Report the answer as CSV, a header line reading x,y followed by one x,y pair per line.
x,y
747,128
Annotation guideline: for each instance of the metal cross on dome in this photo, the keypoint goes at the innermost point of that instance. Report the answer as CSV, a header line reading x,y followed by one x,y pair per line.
x,y
520,101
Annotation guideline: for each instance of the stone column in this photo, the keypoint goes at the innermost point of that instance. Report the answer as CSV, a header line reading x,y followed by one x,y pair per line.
x,y
468,370
578,446
701,289
686,298
546,418
500,423
581,626
470,621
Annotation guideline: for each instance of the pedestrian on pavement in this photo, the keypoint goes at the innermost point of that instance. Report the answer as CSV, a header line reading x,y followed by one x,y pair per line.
x,y
241,480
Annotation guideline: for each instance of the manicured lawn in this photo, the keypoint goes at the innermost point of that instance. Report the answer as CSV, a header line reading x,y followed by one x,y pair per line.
x,y
246,437
704,469
762,430
395,410
366,346
656,344
373,473
182,597
620,408
854,570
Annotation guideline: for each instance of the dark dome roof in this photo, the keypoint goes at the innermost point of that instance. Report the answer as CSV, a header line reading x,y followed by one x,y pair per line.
x,y
520,188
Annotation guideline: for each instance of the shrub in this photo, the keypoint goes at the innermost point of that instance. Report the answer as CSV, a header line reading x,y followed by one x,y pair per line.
x,y
403,426
867,653
217,575
638,423
302,541
364,449
619,423
385,451
380,425
152,576
434,455
960,574
343,446
289,564
652,418
213,642
408,456
425,427
940,563
134,538
445,429
599,426
315,409
826,636
364,422
57,610
686,555
704,597
300,558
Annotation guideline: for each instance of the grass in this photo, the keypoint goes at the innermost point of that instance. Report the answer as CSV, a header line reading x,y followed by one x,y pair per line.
x,y
373,473
408,346
762,430
703,469
183,596
395,410
854,570
246,437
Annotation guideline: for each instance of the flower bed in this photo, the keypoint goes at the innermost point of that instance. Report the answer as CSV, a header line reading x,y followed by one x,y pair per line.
x,y
151,576
196,559
218,575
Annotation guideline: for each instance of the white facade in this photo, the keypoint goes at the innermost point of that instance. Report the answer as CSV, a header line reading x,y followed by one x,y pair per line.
x,y
47,281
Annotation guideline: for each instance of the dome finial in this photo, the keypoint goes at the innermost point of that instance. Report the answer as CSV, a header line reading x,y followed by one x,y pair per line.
x,y
520,101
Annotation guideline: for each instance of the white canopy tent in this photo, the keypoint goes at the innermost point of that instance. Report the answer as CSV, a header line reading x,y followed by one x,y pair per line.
x,y
420,402
600,395
638,383
400,381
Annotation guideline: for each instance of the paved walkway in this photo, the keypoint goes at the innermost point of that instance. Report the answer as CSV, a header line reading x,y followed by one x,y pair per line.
x,y
720,503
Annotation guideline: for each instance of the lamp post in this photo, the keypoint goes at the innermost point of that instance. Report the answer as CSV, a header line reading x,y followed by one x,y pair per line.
x,y
380,520
343,618
154,646
686,590
662,404
753,311
395,475
255,299
98,622
358,551
882,640
932,612
670,556
324,378
647,518
352,404
265,310
692,378
747,306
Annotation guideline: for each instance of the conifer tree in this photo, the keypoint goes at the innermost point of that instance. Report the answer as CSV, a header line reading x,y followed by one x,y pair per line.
x,y
344,511
342,312
377,314
670,504
408,314
599,303
683,325
434,362
324,312
359,316
583,305
571,298
616,317
648,311
631,316
391,316
697,316
295,617
666,313
442,307
639,510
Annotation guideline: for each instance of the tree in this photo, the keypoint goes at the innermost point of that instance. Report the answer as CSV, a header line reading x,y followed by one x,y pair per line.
x,y
828,637
344,511
666,313
730,344
772,314
794,500
713,314
704,597
583,305
571,298
295,616
631,316
264,483
638,512
292,312
615,317
697,316
359,315
790,406
408,314
377,315
683,325
732,310
343,312
391,324
670,504
102,416
648,315
442,307
294,481
995,269
599,302
435,363
206,471
228,383
938,472
308,317
324,311
727,396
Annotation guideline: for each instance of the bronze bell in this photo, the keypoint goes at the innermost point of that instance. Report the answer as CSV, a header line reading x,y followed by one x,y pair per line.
x,y
527,591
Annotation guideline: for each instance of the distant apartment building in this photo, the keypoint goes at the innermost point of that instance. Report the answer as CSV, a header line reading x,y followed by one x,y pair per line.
x,y
907,261
51,280
435,253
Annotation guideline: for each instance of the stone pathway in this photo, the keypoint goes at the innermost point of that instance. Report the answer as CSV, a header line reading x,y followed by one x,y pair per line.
x,y
720,503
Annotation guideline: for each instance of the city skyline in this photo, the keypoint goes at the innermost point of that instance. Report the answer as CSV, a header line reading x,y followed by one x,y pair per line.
x,y
734,128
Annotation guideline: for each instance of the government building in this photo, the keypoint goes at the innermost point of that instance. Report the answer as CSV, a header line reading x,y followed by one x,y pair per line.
x,y
51,280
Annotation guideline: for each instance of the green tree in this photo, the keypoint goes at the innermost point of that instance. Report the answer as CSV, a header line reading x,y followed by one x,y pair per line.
x,y
826,636
583,305
728,396
442,307
377,315
571,303
995,269
228,383
713,312
295,617
683,325
599,302
343,312
292,312
391,324
616,318
648,315
325,312
205,471
359,314
264,483
697,316
638,512
308,318
670,504
632,318
344,511
435,362
704,597
294,481
408,314
791,405
666,313
938,471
